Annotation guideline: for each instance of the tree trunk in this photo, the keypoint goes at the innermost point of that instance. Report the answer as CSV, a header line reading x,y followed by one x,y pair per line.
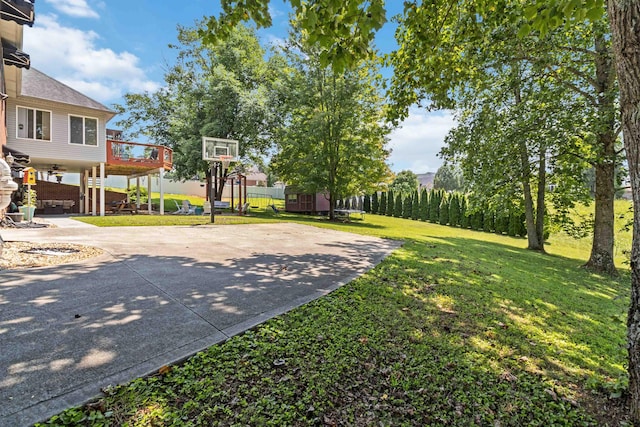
x,y
222,179
624,16
534,242
601,258
332,202
532,235
542,188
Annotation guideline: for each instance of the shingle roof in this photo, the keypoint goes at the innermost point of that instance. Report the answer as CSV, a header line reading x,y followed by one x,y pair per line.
x,y
36,84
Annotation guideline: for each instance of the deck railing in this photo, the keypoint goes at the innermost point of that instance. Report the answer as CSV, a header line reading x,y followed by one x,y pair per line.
x,y
135,154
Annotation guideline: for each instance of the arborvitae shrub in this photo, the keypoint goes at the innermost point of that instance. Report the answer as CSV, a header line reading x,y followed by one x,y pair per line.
x,y
366,204
390,203
454,210
513,229
407,206
477,221
340,204
434,206
501,223
415,206
464,218
397,208
488,221
382,208
347,203
444,211
375,205
424,205
523,226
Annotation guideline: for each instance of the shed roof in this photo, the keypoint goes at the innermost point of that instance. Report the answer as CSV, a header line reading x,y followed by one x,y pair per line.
x,y
36,84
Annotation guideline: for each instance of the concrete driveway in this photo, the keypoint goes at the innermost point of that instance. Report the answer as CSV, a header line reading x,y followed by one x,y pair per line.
x,y
157,295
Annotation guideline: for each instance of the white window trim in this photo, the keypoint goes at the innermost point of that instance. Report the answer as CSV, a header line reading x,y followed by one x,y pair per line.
x,y
83,130
34,109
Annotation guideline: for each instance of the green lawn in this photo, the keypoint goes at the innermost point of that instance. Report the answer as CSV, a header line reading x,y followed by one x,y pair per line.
x,y
455,328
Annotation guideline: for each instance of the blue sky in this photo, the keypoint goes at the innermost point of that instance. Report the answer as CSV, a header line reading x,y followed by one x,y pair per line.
x,y
105,49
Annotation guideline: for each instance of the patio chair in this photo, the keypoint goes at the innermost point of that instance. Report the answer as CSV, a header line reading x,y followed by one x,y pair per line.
x,y
179,209
243,209
188,208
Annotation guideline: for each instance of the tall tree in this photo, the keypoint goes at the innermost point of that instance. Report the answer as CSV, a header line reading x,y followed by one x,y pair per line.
x,y
448,178
405,182
213,90
332,136
485,56
624,16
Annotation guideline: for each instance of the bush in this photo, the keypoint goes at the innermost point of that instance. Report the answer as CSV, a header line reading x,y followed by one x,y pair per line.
x,y
424,205
464,216
488,221
390,203
133,195
375,205
454,210
443,218
397,208
407,207
415,206
477,221
382,209
501,224
513,229
434,206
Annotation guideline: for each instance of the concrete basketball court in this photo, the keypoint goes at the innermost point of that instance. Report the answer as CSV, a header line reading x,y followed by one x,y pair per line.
x,y
156,296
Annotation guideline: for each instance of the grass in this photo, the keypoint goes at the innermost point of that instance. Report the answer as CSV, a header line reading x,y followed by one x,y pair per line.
x,y
256,216
455,328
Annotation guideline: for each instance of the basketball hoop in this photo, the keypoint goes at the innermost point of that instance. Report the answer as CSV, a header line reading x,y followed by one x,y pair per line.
x,y
226,161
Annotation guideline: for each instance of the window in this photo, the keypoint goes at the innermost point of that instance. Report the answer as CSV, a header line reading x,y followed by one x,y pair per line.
x,y
292,198
83,130
34,124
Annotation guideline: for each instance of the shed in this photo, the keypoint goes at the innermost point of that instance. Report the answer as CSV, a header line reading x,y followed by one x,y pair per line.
x,y
299,201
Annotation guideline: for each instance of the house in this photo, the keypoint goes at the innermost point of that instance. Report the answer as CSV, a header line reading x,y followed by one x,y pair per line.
x,y
425,180
56,129
255,178
64,131
303,202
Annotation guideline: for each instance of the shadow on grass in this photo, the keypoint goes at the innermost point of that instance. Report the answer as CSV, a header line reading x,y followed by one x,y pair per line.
x,y
522,305
444,332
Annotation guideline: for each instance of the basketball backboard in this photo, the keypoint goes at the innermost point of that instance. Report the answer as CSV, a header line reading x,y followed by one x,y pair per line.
x,y
213,148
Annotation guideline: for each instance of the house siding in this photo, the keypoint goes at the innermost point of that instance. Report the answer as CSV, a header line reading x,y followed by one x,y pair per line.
x,y
58,148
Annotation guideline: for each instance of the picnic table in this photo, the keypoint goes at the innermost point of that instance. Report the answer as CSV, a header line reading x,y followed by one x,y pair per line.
x,y
123,206
346,213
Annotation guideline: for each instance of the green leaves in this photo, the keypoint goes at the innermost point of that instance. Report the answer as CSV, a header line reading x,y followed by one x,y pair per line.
x,y
333,138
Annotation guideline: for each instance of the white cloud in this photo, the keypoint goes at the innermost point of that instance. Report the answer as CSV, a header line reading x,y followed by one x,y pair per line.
x,y
76,8
73,57
416,143
273,40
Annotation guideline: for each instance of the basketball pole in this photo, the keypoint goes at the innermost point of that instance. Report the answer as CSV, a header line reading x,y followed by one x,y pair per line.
x,y
213,189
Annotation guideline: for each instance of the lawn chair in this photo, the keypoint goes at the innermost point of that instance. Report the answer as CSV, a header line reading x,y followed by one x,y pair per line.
x,y
179,209
243,209
188,208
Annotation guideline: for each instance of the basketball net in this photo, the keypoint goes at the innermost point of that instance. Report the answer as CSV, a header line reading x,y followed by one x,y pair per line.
x,y
226,161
